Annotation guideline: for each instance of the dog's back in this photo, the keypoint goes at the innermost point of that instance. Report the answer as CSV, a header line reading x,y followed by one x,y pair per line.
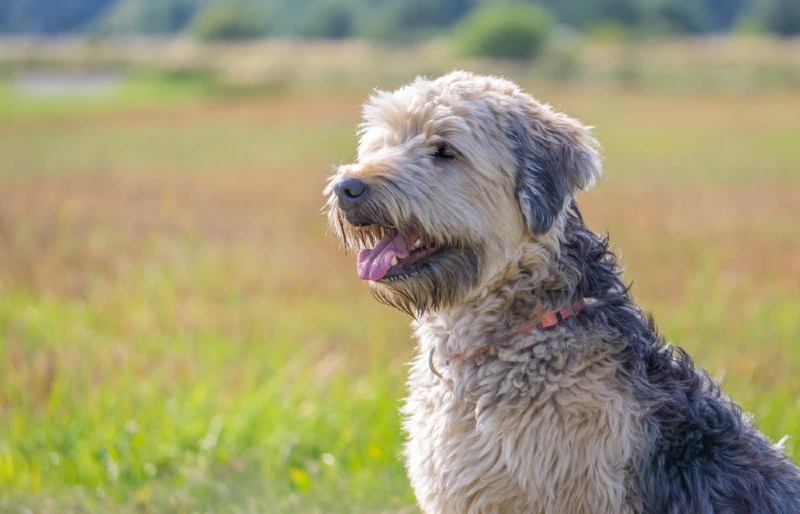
x,y
707,455
704,453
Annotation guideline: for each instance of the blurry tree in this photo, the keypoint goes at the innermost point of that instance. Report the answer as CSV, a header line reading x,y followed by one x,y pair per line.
x,y
393,20
685,16
148,16
625,12
724,14
583,14
409,20
227,21
49,16
751,20
504,30
10,16
329,19
783,17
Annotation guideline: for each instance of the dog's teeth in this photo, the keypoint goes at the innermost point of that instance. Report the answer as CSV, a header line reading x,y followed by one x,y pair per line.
x,y
394,261
417,243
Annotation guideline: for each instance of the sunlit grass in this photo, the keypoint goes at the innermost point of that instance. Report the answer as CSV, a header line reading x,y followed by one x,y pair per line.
x,y
177,334
137,90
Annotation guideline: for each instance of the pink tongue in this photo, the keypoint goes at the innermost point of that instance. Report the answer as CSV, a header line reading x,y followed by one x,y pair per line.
x,y
373,264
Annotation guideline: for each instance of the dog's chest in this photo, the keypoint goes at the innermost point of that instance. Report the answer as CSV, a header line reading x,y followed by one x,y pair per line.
x,y
511,439
452,464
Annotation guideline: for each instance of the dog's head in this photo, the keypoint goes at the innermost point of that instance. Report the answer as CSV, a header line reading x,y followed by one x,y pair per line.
x,y
457,182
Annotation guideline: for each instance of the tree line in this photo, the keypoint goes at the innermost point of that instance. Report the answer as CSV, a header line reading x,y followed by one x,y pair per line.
x,y
390,20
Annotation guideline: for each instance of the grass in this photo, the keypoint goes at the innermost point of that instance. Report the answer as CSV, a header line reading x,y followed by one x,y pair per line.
x,y
177,334
134,90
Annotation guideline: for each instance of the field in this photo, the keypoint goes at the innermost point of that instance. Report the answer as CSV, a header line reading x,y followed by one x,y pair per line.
x,y
178,334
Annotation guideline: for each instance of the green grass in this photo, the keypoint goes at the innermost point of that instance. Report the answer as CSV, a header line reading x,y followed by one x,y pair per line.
x,y
177,334
137,90
175,389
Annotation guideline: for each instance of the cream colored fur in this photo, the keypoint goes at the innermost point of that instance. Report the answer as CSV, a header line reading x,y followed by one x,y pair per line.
x,y
560,442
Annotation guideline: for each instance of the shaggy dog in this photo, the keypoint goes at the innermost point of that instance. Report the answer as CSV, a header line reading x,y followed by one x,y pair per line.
x,y
538,386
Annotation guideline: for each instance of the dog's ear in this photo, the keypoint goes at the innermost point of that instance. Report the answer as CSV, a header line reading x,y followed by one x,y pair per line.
x,y
556,158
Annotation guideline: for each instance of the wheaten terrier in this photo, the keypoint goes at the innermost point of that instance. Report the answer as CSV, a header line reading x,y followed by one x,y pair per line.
x,y
539,386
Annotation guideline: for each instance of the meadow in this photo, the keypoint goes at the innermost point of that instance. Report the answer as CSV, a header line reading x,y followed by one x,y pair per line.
x,y
178,333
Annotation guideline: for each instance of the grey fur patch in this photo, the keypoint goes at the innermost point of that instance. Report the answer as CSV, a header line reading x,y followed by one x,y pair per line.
x,y
706,456
549,172
541,187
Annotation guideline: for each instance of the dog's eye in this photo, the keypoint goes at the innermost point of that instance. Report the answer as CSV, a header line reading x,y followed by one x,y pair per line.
x,y
444,152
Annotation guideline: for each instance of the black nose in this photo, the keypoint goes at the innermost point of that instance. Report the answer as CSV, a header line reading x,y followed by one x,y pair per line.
x,y
350,191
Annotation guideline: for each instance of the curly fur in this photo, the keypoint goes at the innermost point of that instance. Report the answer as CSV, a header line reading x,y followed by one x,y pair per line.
x,y
597,414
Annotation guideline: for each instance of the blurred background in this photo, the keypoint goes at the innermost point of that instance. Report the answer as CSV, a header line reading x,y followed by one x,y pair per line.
x,y
178,334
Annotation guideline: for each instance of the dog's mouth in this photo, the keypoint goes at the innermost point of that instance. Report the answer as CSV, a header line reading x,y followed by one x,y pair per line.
x,y
395,256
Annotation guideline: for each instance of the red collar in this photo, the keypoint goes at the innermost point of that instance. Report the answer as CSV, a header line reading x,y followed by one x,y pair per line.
x,y
548,320
552,319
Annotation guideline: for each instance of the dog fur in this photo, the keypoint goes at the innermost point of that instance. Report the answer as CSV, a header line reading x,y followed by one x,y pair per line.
x,y
596,414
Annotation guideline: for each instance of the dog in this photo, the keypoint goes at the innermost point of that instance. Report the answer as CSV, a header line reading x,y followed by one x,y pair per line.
x,y
538,385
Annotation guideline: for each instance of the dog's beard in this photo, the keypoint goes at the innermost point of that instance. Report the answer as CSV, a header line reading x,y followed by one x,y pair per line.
x,y
441,280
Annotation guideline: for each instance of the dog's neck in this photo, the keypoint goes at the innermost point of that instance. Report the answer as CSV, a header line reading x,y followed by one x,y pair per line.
x,y
493,314
547,276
